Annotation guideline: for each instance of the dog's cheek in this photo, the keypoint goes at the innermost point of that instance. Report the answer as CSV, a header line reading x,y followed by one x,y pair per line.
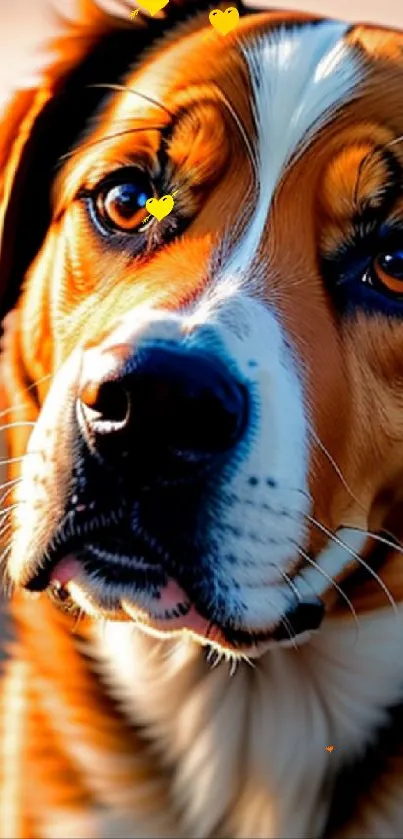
x,y
83,261
37,344
115,290
46,470
19,399
64,275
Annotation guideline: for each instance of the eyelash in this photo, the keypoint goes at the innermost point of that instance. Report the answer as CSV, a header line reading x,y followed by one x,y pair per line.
x,y
349,276
147,236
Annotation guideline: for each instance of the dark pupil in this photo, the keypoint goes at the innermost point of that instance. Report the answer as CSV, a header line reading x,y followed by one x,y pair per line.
x,y
128,199
392,264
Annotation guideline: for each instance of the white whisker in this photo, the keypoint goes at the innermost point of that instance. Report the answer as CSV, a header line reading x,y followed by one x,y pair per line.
x,y
4,526
397,546
289,581
342,478
359,560
335,585
17,424
24,405
8,491
9,483
9,509
17,459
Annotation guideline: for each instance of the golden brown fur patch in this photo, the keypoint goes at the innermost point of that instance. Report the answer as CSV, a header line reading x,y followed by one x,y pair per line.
x,y
118,733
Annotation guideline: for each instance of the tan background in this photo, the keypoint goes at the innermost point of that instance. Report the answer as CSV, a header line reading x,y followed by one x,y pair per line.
x,y
24,23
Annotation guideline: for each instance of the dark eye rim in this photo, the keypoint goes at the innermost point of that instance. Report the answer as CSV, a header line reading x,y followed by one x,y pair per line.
x,y
375,279
128,174
350,278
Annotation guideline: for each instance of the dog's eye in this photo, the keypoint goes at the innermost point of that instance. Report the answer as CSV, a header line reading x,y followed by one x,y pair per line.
x,y
387,272
121,202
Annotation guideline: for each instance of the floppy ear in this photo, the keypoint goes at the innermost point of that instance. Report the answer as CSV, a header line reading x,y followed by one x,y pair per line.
x,y
38,127
42,123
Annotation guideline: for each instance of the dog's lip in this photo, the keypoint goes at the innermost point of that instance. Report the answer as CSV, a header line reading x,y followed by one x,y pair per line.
x,y
42,575
55,565
65,570
304,618
176,610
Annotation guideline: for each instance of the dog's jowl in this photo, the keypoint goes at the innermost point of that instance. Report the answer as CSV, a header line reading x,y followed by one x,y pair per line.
x,y
203,413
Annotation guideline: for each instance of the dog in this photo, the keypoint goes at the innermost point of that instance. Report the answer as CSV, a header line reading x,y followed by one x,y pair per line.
x,y
202,511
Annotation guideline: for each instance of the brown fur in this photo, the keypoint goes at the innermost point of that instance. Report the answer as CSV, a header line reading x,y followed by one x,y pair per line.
x,y
354,398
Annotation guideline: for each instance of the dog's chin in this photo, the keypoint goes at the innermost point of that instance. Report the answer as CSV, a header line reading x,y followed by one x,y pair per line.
x,y
167,611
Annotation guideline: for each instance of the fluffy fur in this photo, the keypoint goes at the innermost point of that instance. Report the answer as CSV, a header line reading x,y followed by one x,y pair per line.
x,y
182,695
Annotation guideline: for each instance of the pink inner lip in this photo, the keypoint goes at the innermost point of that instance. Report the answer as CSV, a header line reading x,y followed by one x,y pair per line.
x,y
65,571
170,598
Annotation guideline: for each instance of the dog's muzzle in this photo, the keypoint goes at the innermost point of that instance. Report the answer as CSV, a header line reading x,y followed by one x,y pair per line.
x,y
156,433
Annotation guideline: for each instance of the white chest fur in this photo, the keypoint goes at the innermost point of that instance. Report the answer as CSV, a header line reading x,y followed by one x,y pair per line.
x,y
247,752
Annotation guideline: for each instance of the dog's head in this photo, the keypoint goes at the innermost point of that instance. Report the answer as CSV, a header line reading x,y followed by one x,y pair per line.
x,y
217,396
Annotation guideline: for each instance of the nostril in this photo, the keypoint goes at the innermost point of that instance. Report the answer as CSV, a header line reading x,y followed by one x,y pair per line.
x,y
184,405
190,400
211,419
108,400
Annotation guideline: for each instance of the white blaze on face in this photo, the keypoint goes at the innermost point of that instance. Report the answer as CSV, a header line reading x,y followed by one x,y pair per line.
x,y
299,76
257,518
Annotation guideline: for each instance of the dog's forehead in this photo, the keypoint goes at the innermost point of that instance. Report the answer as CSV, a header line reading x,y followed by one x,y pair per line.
x,y
332,60
291,82
285,77
294,56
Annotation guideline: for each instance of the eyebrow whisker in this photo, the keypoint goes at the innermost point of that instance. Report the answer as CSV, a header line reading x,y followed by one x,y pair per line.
x,y
221,94
242,130
112,137
135,92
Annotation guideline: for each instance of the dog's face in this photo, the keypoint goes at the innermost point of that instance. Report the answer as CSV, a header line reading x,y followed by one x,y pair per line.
x,y
224,394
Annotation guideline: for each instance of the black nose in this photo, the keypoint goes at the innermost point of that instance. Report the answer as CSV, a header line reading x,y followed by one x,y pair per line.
x,y
164,397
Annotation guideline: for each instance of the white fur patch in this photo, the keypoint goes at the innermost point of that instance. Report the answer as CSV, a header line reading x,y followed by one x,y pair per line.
x,y
340,552
300,76
249,752
263,500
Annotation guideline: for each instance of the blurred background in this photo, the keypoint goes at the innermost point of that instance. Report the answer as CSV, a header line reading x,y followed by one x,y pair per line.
x,y
24,24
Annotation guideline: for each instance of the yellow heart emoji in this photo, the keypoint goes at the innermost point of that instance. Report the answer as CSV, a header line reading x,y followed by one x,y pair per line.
x,y
329,748
225,21
153,6
160,208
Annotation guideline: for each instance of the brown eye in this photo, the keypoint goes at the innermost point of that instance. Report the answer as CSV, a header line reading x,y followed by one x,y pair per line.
x,y
122,204
387,270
